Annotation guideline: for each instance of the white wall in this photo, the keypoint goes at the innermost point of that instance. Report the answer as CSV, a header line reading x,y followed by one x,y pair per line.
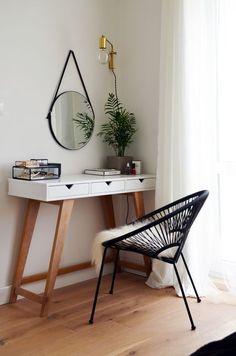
x,y
136,34
137,39
35,37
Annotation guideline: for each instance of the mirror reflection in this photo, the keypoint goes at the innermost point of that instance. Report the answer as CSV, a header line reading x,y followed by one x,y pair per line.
x,y
72,120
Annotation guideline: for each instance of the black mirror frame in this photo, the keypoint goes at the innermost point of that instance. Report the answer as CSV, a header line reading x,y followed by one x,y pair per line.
x,y
71,53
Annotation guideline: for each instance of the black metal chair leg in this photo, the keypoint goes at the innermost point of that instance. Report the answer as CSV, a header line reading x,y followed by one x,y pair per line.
x,y
193,327
190,277
97,288
114,272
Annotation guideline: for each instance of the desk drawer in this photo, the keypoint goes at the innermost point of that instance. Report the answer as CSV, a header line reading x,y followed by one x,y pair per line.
x,y
68,190
107,187
140,184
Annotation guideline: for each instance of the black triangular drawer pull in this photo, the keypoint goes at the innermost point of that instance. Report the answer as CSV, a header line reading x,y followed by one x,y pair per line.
x,y
108,182
69,186
141,180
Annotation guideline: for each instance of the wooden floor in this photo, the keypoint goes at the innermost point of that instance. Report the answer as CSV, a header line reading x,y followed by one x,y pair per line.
x,y
135,320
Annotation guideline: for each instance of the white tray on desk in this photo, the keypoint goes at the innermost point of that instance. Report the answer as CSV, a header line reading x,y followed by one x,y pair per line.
x,y
80,186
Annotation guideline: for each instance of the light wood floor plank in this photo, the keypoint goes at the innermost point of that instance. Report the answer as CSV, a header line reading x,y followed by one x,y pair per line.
x,y
135,320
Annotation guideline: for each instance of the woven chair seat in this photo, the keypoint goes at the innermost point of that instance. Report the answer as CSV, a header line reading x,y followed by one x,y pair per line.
x,y
162,230
149,242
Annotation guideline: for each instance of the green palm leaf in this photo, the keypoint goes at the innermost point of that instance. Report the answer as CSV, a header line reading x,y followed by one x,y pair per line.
x,y
119,130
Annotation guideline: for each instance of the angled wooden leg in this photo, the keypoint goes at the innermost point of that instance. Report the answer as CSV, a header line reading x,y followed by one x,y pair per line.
x,y
139,210
63,220
138,204
109,217
28,229
107,207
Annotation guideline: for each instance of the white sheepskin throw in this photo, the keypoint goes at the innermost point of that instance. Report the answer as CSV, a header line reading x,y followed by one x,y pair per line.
x,y
97,248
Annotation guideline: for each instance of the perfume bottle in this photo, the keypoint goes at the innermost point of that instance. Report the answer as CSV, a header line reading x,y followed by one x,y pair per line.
x,y
133,170
128,169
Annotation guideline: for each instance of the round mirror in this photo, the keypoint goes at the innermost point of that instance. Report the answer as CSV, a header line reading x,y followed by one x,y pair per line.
x,y
72,120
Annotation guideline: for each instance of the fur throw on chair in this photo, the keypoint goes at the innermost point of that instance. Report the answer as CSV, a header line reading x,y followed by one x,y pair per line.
x,y
97,248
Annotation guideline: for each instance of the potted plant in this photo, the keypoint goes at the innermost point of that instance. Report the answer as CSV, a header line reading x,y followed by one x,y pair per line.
x,y
118,132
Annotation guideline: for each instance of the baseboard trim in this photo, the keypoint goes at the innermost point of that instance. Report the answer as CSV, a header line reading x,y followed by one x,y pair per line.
x,y
62,281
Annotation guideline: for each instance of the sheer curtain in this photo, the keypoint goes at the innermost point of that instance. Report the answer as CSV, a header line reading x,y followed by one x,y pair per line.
x,y
226,54
187,129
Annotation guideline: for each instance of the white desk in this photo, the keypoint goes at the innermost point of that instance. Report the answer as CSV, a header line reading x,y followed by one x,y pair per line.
x,y
80,186
63,192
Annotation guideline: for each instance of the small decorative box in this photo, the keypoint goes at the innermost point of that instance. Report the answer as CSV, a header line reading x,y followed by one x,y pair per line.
x,y
36,172
33,162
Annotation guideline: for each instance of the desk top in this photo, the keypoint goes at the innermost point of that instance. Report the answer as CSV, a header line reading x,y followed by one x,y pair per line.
x,y
80,186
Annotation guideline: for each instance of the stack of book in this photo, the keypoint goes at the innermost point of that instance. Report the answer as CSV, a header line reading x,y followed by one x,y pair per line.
x,y
102,171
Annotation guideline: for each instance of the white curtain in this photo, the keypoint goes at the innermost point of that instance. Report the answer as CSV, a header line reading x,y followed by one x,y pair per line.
x,y
187,129
226,75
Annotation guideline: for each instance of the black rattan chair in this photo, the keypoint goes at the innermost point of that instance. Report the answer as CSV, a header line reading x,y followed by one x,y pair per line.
x,y
162,236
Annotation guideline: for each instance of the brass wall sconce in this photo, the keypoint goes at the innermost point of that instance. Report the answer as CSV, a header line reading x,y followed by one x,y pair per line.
x,y
104,56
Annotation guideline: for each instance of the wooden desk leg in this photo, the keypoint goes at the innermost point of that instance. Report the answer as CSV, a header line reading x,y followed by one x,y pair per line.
x,y
107,207
139,210
63,220
109,217
28,229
